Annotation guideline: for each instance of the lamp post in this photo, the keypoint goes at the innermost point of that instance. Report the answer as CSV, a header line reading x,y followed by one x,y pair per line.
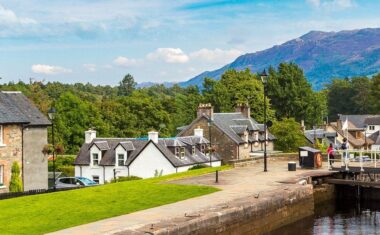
x,y
264,79
209,123
51,114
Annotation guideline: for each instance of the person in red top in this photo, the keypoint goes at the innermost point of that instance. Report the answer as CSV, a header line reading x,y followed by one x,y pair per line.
x,y
330,152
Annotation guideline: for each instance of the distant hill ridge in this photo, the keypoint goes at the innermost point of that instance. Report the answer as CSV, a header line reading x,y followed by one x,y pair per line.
x,y
322,56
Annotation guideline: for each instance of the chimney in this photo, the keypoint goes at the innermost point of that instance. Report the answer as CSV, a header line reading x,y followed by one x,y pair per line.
x,y
198,132
244,109
205,109
153,136
89,136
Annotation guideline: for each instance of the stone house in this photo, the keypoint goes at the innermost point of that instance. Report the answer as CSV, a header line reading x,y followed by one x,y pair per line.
x,y
233,135
23,134
103,159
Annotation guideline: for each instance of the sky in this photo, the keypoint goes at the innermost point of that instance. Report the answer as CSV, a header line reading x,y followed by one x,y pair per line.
x,y
99,41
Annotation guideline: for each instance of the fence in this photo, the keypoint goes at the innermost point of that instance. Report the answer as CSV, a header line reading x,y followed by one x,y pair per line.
x,y
34,192
370,157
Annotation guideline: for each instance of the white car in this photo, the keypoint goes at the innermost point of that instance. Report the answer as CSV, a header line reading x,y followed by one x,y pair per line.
x,y
72,182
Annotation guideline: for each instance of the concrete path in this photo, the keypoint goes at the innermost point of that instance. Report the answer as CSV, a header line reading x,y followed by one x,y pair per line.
x,y
236,183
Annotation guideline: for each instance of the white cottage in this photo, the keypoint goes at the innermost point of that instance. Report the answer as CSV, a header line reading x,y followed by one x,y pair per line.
x,y
102,159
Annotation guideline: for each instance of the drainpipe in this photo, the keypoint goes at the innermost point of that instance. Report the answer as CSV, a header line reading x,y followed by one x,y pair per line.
x,y
22,156
104,174
238,151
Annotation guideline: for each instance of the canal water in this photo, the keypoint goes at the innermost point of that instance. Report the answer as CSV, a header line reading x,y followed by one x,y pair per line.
x,y
338,217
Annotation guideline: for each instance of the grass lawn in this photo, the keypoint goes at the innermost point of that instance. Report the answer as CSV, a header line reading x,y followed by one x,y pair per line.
x,y
39,214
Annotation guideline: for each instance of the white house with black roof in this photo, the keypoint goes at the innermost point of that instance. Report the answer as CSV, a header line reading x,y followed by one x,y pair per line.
x,y
102,159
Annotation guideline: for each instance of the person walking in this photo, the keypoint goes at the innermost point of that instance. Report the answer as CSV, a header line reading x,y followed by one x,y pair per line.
x,y
330,153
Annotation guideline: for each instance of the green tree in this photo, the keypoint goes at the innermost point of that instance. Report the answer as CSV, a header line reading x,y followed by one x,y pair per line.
x,y
289,135
375,94
127,85
289,91
16,184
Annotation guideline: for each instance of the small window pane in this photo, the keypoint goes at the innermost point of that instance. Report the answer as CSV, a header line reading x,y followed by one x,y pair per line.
x,y
95,178
95,159
120,158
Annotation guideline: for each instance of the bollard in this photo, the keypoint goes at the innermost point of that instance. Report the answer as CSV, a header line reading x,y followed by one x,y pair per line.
x,y
216,176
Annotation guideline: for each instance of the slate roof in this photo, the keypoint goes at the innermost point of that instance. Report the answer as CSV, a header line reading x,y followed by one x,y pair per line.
x,y
320,134
16,108
375,137
108,158
373,120
127,145
359,121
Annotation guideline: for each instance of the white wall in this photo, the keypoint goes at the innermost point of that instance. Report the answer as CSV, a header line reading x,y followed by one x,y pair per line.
x,y
369,132
105,174
150,160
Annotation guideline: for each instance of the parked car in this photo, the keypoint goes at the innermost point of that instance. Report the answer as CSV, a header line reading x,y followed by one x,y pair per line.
x,y
71,182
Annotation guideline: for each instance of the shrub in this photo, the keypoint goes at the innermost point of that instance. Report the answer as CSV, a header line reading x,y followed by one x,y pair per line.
x,y
67,170
200,166
125,178
16,184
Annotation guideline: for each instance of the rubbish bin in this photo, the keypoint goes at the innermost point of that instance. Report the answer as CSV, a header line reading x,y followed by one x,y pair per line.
x,y
292,166
310,157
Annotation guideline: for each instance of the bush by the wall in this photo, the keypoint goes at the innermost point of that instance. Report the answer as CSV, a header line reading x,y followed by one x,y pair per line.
x,y
125,178
200,166
16,184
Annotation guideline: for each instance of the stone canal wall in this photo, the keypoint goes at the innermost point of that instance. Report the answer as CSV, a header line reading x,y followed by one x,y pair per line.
x,y
254,215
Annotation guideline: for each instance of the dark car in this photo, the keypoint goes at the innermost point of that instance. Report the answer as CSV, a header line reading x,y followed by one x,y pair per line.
x,y
71,182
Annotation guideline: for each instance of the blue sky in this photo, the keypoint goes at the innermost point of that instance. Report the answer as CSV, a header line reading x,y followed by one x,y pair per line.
x,y
99,41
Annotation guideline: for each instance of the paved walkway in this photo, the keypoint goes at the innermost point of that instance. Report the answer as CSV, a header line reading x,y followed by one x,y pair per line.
x,y
236,183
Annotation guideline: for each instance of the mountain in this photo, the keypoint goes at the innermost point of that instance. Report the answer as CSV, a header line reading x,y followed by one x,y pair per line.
x,y
322,56
150,84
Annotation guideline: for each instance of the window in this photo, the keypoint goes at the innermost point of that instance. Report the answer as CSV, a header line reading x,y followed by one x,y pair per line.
x,y
95,178
176,151
120,159
1,175
371,128
203,148
182,152
95,159
193,150
1,135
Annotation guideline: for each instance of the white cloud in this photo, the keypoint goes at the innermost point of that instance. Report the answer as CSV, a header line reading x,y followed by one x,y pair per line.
x,y
49,69
125,62
7,17
90,67
331,4
169,55
216,56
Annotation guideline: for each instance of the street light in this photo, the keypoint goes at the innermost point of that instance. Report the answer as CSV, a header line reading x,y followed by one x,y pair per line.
x,y
51,114
264,79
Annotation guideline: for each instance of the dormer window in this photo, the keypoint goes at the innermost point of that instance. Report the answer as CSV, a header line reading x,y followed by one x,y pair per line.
x,y
193,150
95,159
120,159
182,152
203,148
371,128
176,151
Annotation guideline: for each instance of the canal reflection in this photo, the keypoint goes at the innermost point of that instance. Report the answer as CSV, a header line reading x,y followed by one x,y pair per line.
x,y
338,217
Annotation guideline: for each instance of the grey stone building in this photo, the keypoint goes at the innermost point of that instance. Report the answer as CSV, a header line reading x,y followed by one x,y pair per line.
x,y
23,134
233,135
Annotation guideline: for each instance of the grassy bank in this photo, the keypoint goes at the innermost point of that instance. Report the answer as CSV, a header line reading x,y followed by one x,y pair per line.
x,y
44,213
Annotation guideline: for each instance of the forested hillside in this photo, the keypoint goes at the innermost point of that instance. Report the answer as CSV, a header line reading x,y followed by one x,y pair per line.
x,y
125,111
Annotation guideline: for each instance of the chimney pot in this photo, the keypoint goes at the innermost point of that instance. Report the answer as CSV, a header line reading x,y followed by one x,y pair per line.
x,y
89,135
153,136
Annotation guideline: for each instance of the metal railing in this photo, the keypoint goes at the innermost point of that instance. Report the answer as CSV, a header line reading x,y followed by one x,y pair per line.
x,y
345,157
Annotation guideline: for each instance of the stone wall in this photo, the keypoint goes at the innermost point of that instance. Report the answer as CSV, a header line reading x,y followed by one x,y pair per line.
x,y
10,151
226,148
244,216
35,162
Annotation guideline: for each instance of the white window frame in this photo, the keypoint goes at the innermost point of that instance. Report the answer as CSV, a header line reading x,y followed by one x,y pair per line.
x,y
176,151
182,153
2,135
371,127
1,175
118,159
93,159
